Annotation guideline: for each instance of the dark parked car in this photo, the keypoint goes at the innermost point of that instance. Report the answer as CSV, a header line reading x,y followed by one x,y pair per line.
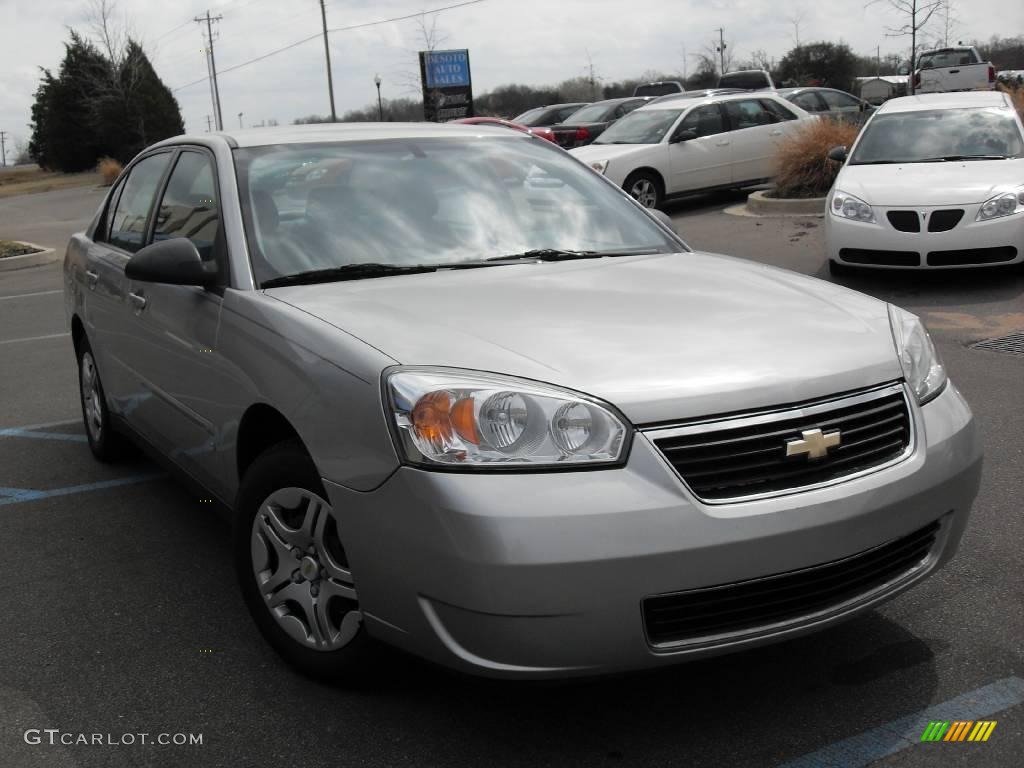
x,y
590,122
660,88
547,115
747,80
829,102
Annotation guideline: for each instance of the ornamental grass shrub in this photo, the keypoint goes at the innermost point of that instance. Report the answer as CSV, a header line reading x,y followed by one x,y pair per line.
x,y
802,167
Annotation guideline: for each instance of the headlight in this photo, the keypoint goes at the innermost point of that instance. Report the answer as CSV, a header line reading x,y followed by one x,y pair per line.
x,y
469,419
922,367
599,165
1001,205
850,207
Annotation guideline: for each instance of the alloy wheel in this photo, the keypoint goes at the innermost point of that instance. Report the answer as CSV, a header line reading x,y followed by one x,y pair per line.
x,y
302,571
91,397
644,192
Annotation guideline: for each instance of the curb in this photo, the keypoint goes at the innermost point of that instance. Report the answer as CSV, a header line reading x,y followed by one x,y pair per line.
x,y
757,203
40,257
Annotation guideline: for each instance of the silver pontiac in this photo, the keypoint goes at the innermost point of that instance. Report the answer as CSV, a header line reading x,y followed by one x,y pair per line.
x,y
464,396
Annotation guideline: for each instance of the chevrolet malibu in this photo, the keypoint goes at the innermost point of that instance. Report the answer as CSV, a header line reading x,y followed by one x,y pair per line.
x,y
466,397
933,182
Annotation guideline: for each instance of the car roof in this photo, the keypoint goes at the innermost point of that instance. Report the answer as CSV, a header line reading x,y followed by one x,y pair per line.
x,y
735,96
340,132
955,100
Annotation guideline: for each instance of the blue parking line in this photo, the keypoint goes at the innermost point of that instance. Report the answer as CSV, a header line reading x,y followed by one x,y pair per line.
x,y
865,748
21,495
18,432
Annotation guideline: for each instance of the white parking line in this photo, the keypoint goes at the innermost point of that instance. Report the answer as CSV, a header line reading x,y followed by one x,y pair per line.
x,y
29,295
35,338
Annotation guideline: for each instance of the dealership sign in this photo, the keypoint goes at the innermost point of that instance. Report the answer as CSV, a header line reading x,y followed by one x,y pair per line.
x,y
447,86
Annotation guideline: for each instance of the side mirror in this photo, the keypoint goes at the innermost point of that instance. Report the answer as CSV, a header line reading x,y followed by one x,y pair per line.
x,y
687,135
838,154
663,217
174,262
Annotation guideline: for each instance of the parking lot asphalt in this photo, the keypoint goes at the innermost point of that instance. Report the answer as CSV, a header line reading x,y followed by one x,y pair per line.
x,y
120,613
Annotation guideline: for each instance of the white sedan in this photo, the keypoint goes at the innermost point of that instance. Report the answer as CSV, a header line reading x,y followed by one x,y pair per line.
x,y
681,146
934,181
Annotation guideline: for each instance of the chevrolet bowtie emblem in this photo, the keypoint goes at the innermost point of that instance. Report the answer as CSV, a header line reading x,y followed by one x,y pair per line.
x,y
813,444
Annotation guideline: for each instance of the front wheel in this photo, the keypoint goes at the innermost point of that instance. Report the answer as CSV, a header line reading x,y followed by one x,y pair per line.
x,y
293,569
645,188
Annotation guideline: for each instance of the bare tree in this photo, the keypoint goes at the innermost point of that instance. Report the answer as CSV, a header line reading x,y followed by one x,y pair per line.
x,y
795,19
427,38
593,79
915,14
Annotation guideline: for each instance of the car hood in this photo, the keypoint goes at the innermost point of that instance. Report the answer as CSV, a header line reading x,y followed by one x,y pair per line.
x,y
951,183
663,337
595,152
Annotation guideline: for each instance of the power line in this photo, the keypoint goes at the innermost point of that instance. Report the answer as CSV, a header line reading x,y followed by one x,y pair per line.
x,y
336,29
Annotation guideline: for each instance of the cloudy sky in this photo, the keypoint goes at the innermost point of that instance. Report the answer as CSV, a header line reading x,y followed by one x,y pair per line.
x,y
525,41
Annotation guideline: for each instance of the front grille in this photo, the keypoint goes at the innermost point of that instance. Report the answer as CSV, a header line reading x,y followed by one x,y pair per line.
x,y
943,221
880,258
786,597
972,256
905,221
734,458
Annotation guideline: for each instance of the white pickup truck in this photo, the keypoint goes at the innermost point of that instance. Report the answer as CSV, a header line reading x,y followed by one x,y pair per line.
x,y
953,69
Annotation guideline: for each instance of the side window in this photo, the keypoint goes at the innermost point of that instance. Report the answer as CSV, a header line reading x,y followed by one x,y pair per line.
x,y
840,101
809,102
777,110
624,109
189,206
563,114
748,113
128,221
706,120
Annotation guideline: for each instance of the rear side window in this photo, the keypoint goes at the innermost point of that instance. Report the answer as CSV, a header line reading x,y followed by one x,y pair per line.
x,y
748,113
809,102
837,100
566,112
128,220
776,110
189,207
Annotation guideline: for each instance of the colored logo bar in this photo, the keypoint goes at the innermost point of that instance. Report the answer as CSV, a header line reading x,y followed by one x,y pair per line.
x,y
958,730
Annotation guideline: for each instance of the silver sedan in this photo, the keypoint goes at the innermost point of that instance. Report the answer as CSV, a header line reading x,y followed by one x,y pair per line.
x,y
466,397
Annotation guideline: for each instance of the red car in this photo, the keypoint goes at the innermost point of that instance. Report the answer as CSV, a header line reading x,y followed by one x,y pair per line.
x,y
544,133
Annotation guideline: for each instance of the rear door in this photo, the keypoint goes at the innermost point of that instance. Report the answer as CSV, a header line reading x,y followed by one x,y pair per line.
x,y
843,106
108,317
176,355
704,161
756,128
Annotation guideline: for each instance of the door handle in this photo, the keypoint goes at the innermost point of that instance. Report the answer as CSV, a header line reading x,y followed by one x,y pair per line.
x,y
91,278
138,301
776,133
722,143
954,71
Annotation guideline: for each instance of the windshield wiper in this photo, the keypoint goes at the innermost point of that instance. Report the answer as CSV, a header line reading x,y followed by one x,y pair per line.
x,y
556,254
956,158
346,272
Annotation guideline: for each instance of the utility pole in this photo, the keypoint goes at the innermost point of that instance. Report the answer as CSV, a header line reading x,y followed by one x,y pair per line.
x,y
878,60
207,123
212,64
3,149
721,48
327,53
240,119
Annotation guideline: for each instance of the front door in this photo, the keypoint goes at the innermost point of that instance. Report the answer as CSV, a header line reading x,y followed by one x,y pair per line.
x,y
705,160
175,355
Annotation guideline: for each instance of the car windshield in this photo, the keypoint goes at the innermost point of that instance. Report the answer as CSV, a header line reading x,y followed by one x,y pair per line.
x,y
642,127
595,113
528,117
436,201
939,134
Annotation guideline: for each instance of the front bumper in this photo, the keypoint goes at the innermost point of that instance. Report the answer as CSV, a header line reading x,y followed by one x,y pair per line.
x,y
969,241
544,574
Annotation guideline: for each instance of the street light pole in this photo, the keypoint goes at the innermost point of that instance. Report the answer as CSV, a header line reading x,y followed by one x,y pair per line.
x,y
239,119
380,104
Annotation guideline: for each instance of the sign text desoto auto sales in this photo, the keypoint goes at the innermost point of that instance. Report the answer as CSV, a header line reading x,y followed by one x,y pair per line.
x,y
447,85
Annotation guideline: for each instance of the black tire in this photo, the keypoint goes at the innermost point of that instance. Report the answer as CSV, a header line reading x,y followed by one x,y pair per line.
x,y
284,469
646,188
106,444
